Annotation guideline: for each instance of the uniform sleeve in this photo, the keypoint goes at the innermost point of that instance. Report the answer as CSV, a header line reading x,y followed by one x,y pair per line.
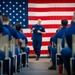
x,y
63,41
9,36
55,39
1,27
6,32
24,37
26,40
15,34
18,35
43,29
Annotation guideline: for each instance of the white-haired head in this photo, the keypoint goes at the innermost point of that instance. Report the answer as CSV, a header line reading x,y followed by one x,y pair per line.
x,y
39,22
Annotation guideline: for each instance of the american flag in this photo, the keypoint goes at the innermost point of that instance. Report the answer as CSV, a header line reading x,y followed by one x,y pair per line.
x,y
49,11
17,11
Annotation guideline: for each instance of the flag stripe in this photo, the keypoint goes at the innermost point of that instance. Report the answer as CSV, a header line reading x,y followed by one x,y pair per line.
x,y
44,39
50,26
42,48
44,35
47,30
43,43
54,5
50,9
51,1
50,13
49,17
47,22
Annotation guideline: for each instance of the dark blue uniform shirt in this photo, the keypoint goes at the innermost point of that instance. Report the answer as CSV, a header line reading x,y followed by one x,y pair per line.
x,y
13,32
23,37
68,34
59,34
6,32
36,35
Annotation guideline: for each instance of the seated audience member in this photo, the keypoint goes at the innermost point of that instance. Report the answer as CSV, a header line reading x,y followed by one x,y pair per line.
x,y
6,32
52,39
18,28
67,51
59,34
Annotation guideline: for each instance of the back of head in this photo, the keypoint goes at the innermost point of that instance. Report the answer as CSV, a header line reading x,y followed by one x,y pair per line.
x,y
5,18
64,22
18,27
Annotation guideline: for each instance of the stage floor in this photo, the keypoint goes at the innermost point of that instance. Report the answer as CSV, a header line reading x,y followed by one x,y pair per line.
x,y
39,67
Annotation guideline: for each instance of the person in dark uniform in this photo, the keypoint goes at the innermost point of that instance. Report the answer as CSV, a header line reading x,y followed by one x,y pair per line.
x,y
5,31
37,31
67,51
59,34
11,29
13,32
23,36
52,40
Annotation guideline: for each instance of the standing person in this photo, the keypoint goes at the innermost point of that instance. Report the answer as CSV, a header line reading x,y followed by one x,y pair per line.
x,y
37,31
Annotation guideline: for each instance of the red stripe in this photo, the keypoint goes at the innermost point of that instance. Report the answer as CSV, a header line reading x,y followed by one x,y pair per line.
x,y
43,43
51,1
49,26
50,9
42,52
44,35
49,17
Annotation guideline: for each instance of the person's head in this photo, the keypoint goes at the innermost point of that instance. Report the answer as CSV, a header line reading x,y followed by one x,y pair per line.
x,y
0,15
39,22
5,19
18,26
64,22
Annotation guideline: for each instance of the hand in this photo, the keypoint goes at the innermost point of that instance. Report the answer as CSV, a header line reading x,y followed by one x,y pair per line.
x,y
33,28
39,31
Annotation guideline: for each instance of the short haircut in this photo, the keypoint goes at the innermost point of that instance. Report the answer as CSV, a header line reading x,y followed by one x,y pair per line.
x,y
18,26
64,22
5,18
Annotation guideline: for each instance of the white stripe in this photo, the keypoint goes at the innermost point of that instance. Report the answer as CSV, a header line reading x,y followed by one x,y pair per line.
x,y
50,13
44,39
47,22
42,48
52,30
26,30
47,5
